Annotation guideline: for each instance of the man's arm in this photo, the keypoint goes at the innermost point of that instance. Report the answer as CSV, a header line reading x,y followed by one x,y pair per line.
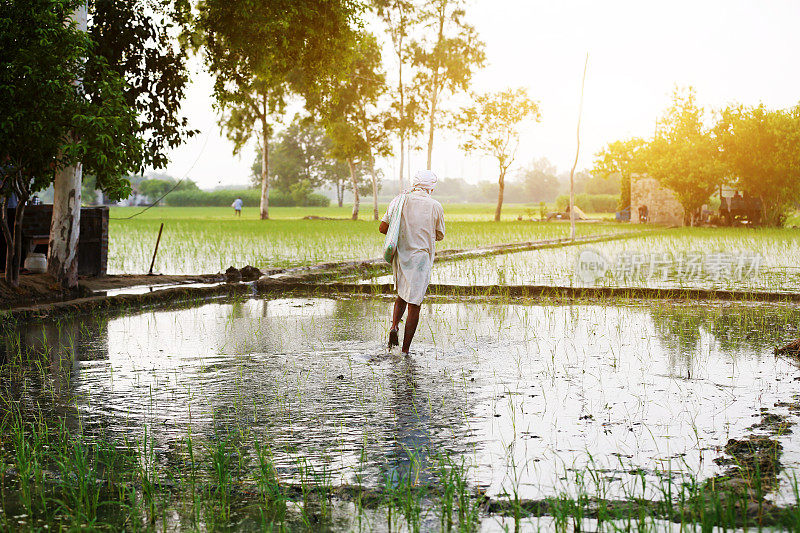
x,y
384,227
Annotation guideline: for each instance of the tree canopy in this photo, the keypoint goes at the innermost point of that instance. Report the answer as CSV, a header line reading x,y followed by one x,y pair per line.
x,y
349,110
625,159
491,126
260,51
134,38
760,148
445,58
683,156
300,153
50,122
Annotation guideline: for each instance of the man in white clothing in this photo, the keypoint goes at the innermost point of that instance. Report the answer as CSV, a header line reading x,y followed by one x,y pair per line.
x,y
237,206
421,225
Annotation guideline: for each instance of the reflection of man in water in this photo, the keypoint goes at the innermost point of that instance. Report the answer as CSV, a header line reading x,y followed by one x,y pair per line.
x,y
408,457
421,224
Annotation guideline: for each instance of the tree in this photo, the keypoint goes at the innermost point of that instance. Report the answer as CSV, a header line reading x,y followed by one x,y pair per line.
x,y
625,159
301,153
133,36
51,124
597,185
540,181
446,62
135,44
353,122
760,148
399,19
683,156
261,51
491,126
156,188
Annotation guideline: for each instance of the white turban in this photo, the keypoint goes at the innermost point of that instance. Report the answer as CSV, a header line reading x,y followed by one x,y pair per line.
x,y
425,179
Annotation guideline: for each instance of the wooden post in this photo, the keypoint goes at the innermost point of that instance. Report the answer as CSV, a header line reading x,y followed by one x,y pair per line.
x,y
155,251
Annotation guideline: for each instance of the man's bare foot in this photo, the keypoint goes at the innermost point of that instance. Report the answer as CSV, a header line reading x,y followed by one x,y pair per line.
x,y
393,340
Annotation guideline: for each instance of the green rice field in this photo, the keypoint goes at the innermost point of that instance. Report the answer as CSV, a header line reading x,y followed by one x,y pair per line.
x,y
208,240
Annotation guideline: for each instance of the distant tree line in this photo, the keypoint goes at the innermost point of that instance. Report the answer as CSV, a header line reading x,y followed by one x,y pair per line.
x,y
250,198
539,181
694,152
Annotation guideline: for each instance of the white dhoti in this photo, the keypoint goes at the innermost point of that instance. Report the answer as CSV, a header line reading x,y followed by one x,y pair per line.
x,y
421,225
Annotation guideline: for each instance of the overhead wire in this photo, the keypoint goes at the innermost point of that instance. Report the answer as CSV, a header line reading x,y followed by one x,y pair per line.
x,y
185,175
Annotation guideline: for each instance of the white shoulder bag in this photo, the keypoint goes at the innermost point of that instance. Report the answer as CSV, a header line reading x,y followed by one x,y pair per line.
x,y
393,233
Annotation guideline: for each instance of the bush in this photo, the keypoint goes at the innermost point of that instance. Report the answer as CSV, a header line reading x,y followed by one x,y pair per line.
x,y
250,198
590,203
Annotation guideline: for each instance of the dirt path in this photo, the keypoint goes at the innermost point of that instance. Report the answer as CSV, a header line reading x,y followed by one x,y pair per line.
x,y
42,289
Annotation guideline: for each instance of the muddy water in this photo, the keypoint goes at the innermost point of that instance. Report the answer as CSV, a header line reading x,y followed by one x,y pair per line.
x,y
529,394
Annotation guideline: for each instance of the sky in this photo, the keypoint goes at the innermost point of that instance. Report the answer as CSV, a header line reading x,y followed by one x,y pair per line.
x,y
639,51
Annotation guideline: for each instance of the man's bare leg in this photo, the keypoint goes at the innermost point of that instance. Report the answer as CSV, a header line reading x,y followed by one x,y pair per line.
x,y
411,326
397,316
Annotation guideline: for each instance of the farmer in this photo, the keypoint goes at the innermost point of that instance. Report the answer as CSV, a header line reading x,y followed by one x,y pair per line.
x,y
421,225
237,206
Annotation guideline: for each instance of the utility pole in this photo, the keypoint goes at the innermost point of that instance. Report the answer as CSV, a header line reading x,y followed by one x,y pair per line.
x,y
577,151
65,226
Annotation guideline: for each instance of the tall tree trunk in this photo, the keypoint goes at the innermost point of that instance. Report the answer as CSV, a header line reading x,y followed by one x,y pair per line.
x,y
356,199
435,88
502,186
340,192
264,165
8,272
431,126
65,226
577,152
374,187
402,158
402,113
18,217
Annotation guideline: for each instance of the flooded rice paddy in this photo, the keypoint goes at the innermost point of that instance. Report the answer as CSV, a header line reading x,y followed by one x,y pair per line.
x,y
522,400
743,261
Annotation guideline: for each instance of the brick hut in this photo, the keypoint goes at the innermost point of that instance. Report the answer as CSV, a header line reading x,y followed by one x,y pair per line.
x,y
662,205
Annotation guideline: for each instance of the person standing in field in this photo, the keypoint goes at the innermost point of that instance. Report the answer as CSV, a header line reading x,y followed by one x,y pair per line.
x,y
421,225
237,206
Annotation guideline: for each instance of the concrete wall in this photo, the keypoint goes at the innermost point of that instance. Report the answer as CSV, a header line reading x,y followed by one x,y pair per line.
x,y
662,204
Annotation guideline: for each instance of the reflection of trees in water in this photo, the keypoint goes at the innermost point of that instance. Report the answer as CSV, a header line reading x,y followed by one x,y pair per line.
x,y
41,361
737,328
679,332
749,327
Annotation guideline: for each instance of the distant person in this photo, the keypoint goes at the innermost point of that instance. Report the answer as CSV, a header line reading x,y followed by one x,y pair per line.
x,y
737,203
421,225
237,206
